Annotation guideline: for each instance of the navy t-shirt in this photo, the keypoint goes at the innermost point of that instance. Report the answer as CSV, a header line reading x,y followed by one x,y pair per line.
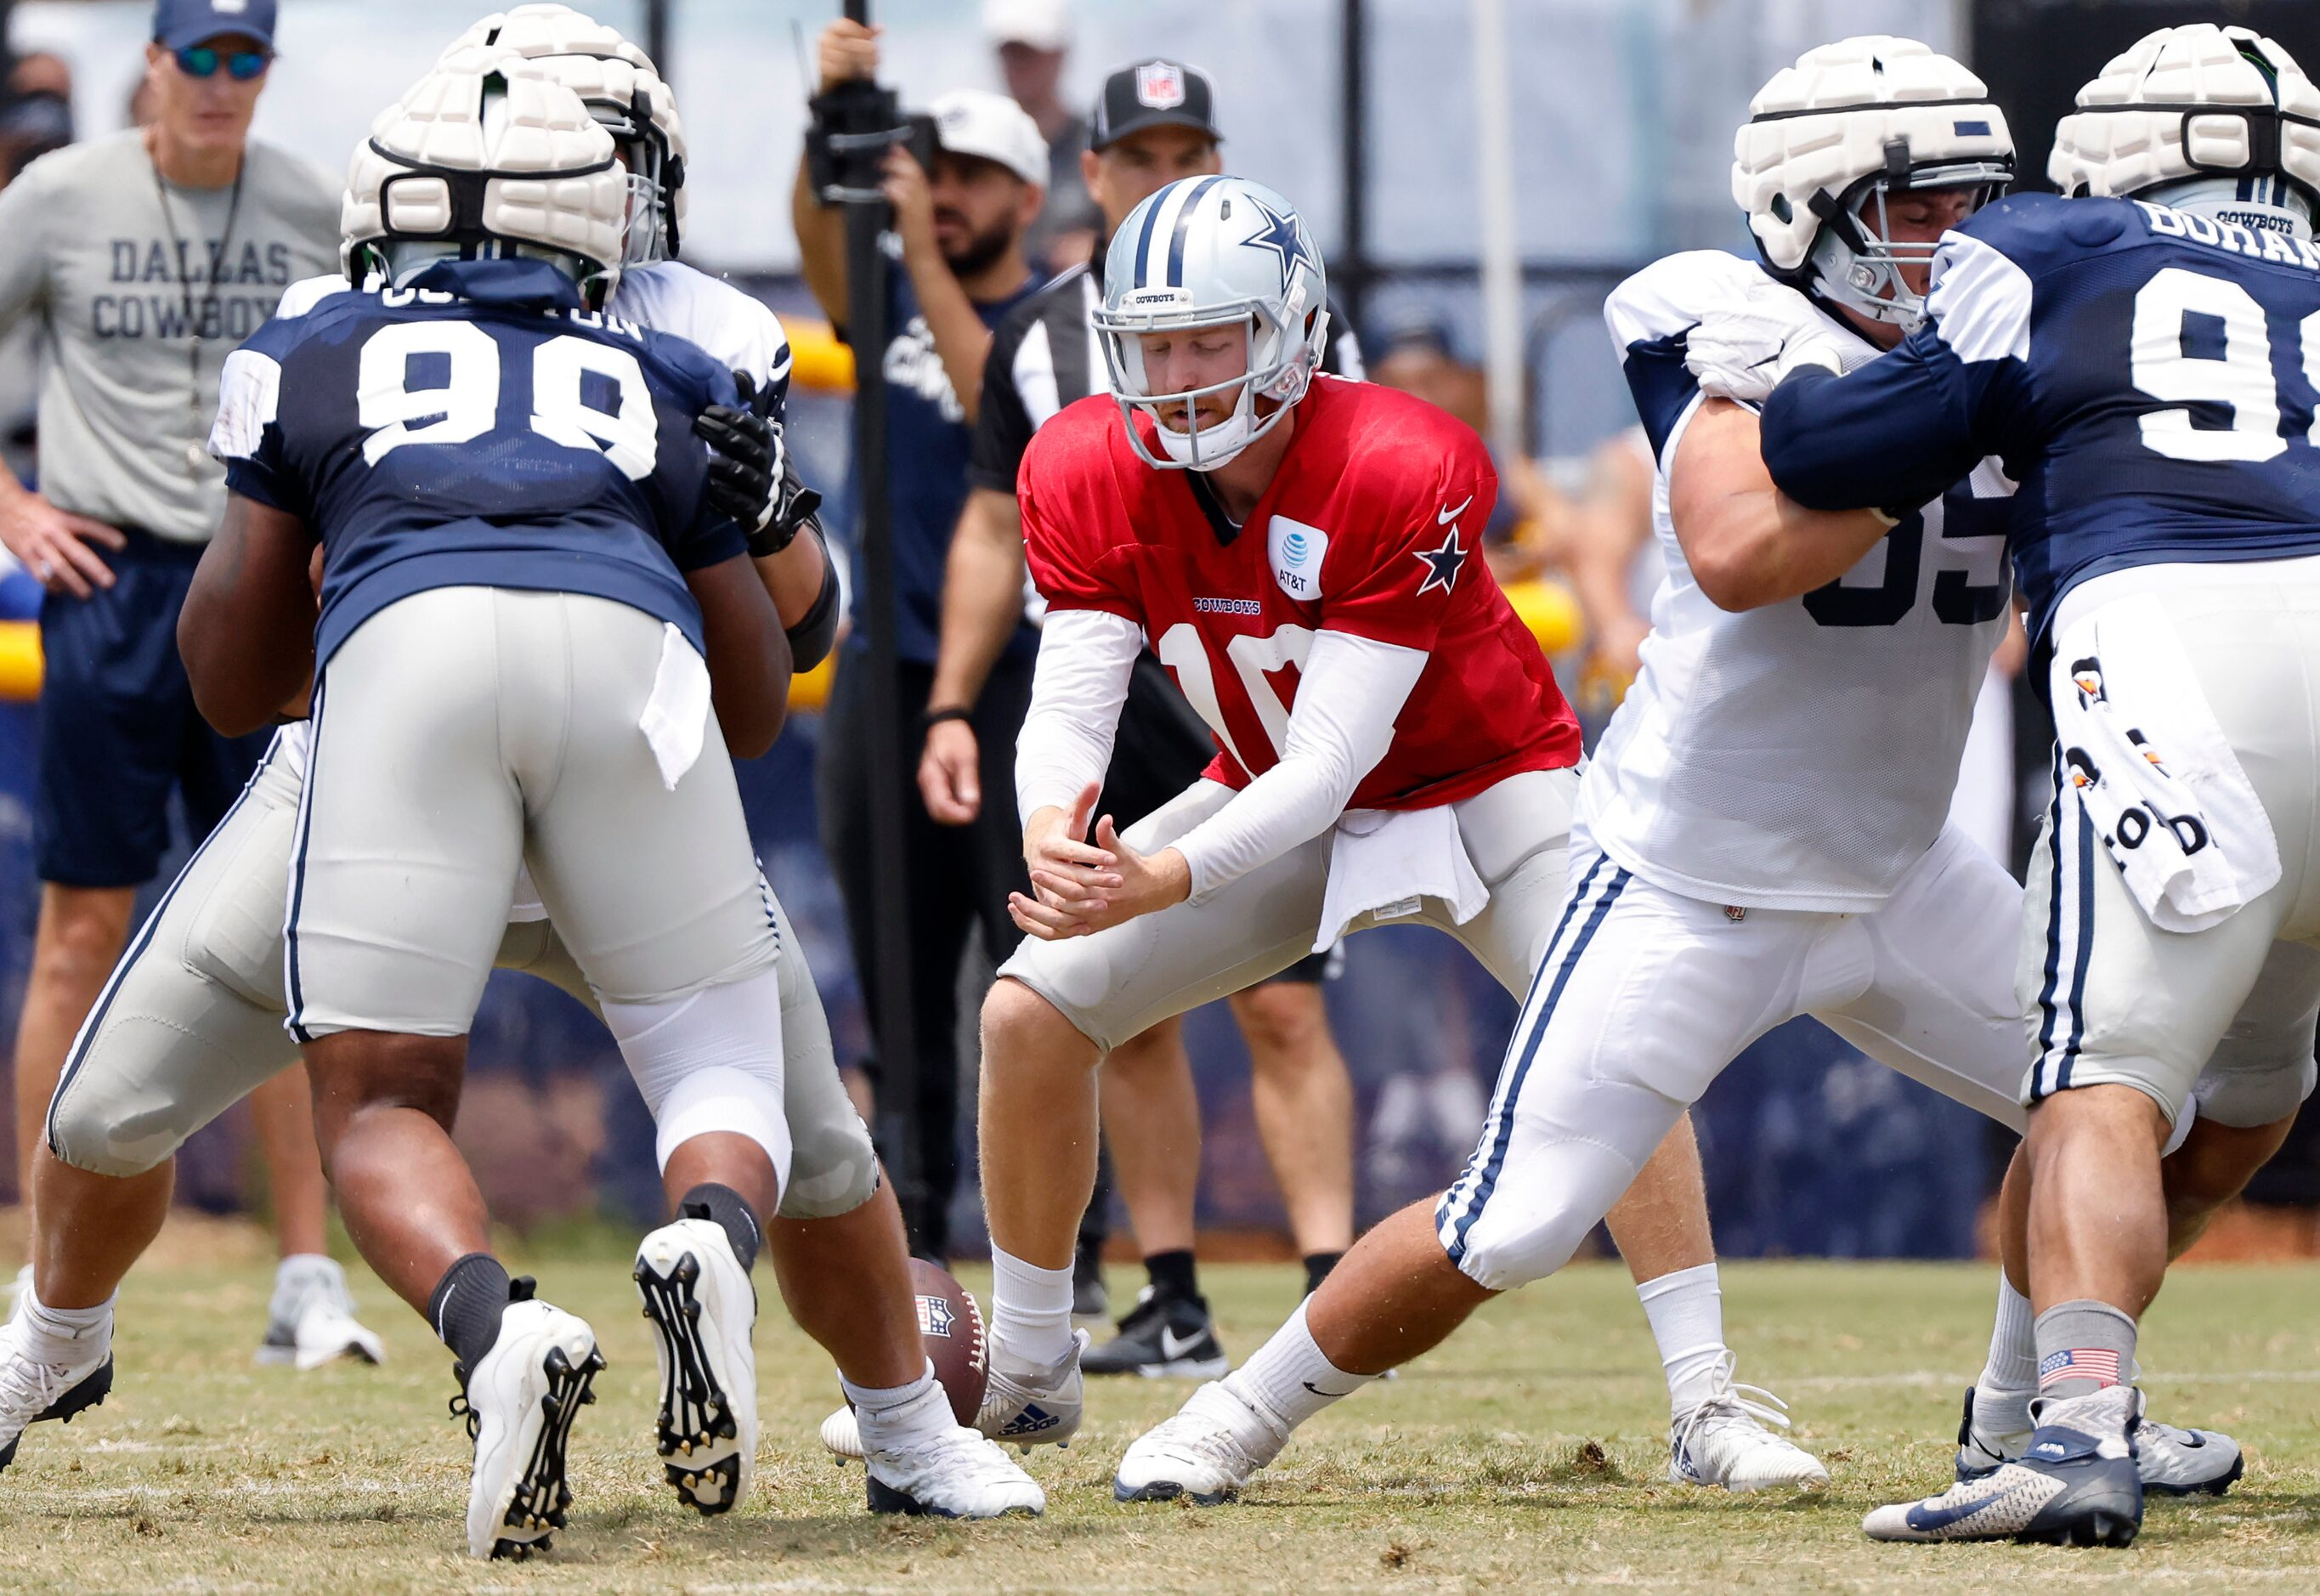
x,y
479,429
928,445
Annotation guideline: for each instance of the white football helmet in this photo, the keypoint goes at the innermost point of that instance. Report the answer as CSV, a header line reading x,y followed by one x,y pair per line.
x,y
2221,120
1211,252
1830,138
487,156
620,84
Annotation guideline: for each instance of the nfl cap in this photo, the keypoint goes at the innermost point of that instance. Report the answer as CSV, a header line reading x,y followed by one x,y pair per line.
x,y
1153,94
1043,24
181,24
974,121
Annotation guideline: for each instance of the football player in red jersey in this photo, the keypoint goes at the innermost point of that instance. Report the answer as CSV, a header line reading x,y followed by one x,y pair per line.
x,y
1299,552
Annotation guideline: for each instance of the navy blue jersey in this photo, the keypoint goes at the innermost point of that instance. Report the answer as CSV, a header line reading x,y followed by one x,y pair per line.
x,y
479,428
2148,376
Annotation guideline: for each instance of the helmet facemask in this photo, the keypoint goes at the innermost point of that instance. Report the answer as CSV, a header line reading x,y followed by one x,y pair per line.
x,y
1856,262
654,171
1279,368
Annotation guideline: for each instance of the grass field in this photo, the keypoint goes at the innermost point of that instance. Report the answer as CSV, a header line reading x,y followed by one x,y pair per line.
x,y
1528,1452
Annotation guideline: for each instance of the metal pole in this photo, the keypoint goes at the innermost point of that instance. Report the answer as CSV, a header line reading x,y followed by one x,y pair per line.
x,y
657,35
1501,264
1354,119
866,271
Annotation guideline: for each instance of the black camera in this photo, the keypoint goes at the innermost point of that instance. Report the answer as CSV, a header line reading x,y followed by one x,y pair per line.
x,y
853,127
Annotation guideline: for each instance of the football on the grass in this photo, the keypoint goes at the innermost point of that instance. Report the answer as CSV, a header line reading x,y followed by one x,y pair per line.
x,y
951,1326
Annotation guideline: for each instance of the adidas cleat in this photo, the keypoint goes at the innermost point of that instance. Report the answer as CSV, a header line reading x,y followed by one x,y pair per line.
x,y
957,1474
2170,1462
1727,1442
520,1402
2075,1484
1205,1452
1037,1407
702,1309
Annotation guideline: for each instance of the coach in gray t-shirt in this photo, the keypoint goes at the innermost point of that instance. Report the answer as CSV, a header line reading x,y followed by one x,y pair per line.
x,y
140,260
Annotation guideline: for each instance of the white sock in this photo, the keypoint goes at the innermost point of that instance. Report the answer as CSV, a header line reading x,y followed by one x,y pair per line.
x,y
895,1417
1030,1313
1687,1314
2001,1395
67,1335
1289,1378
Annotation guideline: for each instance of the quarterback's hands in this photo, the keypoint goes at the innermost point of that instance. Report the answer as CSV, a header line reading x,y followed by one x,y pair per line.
x,y
950,773
745,458
904,184
1743,350
53,544
1068,877
848,50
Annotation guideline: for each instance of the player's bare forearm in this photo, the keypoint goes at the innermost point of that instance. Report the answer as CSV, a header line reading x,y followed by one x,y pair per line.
x,y
1747,543
247,630
981,597
792,578
962,341
748,653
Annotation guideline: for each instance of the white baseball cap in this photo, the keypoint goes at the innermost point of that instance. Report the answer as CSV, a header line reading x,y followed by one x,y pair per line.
x,y
976,122
1043,24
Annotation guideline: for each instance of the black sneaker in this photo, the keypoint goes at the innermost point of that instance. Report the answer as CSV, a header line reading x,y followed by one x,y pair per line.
x,y
1162,1338
1090,1298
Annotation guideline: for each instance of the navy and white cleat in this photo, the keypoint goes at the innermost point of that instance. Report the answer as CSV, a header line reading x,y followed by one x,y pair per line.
x,y
702,1309
1205,1452
1035,1407
2075,1484
32,1391
520,1402
2172,1462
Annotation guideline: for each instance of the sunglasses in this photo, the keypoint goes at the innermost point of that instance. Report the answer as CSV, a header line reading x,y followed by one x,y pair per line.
x,y
202,60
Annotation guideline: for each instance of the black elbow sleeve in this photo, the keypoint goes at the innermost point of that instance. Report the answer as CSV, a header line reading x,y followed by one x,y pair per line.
x,y
811,638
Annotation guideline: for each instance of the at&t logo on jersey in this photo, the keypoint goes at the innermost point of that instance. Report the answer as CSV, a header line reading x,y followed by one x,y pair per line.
x,y
1297,551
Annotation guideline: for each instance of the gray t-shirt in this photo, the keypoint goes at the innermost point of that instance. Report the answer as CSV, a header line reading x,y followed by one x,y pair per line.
x,y
87,251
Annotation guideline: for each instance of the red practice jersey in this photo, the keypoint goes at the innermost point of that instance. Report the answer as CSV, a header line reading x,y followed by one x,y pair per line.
x,y
1372,526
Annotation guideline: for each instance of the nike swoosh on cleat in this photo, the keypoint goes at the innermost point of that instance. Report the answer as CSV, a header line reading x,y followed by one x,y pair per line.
x,y
1174,1346
1925,1515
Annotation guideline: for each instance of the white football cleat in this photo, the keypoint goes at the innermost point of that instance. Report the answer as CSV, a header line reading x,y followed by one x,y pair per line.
x,y
1036,1408
1207,1451
955,1474
2171,1462
520,1402
312,1321
31,1389
702,1309
1726,1441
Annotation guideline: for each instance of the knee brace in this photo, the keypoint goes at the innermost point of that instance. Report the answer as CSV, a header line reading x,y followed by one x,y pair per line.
x,y
711,1060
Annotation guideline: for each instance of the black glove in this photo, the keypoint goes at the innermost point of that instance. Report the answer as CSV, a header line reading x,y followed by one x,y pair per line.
x,y
746,463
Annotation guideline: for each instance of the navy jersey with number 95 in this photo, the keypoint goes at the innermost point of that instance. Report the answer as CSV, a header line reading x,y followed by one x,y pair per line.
x,y
2150,377
478,427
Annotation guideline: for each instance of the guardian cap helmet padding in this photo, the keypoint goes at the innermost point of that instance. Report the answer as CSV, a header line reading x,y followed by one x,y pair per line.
x,y
1829,139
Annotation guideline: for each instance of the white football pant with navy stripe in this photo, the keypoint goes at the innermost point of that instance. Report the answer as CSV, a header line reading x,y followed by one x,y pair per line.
x,y
2222,1017
463,731
1645,994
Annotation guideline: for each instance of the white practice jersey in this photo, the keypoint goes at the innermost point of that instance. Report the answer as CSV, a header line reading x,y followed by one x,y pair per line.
x,y
668,296
1803,755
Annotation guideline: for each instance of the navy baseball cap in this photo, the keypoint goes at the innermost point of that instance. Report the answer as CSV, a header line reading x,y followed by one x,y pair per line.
x,y
1153,94
181,24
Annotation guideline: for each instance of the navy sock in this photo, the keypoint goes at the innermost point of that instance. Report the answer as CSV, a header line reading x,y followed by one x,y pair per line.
x,y
1316,1269
465,1307
1172,1274
732,1213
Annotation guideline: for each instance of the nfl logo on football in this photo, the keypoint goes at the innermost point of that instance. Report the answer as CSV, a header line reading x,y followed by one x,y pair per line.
x,y
1160,85
934,1317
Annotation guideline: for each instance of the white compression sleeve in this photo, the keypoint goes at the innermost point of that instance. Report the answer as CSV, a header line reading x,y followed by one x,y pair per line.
x,y
1348,694
1077,689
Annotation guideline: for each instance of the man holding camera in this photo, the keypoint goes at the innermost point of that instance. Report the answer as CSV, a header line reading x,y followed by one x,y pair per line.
x,y
961,225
